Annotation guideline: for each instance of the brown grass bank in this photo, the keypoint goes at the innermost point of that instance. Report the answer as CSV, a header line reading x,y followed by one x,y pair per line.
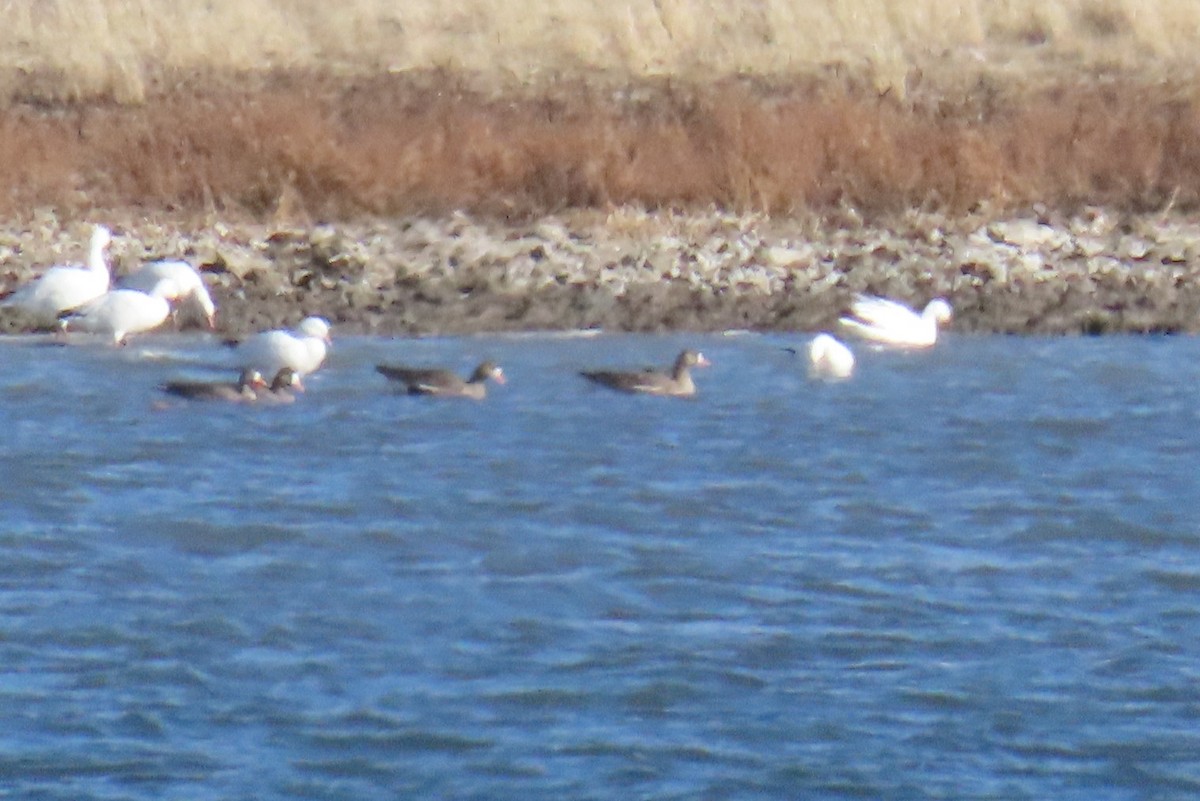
x,y
330,110
299,145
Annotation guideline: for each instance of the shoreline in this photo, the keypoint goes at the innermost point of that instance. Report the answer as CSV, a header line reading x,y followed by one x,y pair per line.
x,y
1097,271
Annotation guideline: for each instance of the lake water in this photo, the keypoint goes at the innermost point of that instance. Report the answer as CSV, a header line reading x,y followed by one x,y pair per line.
x,y
969,573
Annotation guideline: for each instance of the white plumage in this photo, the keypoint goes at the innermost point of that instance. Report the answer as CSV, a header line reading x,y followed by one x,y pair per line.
x,y
121,312
303,350
65,287
829,358
192,290
890,323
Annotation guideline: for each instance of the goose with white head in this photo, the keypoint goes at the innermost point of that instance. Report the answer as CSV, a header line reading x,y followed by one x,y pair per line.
x,y
303,350
888,322
65,287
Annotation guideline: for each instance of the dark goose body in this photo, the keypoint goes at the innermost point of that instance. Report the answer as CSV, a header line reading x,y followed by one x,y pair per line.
x,y
240,391
444,383
674,383
283,387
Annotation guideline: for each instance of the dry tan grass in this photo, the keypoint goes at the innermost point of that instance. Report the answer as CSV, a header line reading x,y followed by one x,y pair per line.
x,y
312,146
129,49
307,108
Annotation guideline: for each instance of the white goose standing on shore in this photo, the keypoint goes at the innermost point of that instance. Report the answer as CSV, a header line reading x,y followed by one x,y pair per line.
x,y
121,312
303,350
888,322
65,287
193,294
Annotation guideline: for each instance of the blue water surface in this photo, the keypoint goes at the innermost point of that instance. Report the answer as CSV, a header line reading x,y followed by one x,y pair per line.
x,y
967,573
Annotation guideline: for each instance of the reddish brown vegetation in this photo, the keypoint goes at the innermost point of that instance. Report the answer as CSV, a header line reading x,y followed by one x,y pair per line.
x,y
393,145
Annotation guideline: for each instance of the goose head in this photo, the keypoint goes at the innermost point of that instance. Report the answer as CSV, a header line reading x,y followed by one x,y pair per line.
x,y
286,378
199,301
488,370
688,359
316,327
938,310
251,379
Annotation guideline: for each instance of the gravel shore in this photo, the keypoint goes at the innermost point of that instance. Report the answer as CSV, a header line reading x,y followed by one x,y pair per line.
x,y
626,270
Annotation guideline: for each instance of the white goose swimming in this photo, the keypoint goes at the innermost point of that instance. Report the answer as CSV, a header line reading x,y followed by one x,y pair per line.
x,y
192,290
890,323
829,358
121,312
303,350
65,287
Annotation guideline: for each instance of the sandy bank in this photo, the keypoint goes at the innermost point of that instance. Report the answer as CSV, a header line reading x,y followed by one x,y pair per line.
x,y
627,270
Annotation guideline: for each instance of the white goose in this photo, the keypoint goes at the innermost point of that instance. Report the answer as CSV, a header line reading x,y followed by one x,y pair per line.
x,y
121,312
65,287
302,350
890,323
191,286
829,358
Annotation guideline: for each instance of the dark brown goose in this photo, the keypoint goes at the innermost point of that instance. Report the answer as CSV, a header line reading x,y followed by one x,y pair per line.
x,y
676,383
443,383
241,391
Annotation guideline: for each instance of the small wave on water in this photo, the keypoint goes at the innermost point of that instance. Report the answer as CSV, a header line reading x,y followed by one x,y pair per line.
x,y
967,573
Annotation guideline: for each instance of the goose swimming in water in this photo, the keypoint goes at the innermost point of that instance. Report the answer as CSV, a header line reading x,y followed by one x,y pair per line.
x,y
888,322
443,383
676,383
283,387
241,391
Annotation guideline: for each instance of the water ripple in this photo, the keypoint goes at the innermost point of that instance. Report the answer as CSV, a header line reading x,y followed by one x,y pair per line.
x,y
968,573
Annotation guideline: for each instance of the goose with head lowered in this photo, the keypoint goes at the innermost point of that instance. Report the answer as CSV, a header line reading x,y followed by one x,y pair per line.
x,y
443,383
65,287
193,294
888,322
674,383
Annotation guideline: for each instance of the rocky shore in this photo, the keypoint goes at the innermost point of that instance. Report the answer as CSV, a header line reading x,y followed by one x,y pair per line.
x,y
1095,271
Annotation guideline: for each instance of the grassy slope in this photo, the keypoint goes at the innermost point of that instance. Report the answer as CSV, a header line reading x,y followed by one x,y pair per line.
x,y
372,105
